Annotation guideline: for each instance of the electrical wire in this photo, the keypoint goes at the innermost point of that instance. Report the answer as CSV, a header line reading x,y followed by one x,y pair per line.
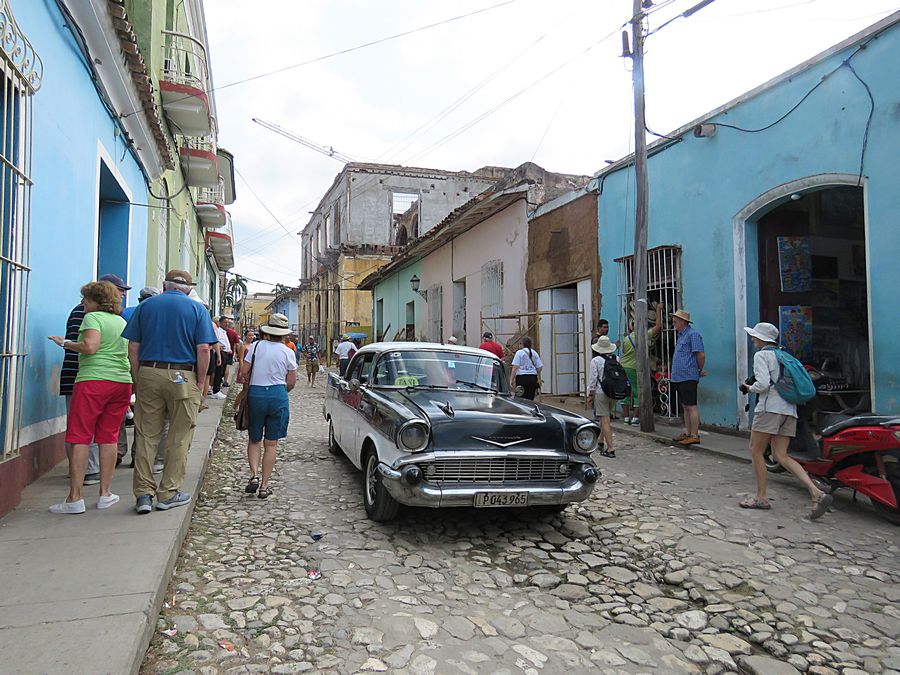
x,y
846,63
348,50
468,94
685,14
263,204
468,125
865,143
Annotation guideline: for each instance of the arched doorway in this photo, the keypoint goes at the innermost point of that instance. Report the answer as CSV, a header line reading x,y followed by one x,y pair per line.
x,y
805,269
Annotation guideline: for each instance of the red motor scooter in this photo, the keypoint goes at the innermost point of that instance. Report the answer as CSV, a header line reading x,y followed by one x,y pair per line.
x,y
861,453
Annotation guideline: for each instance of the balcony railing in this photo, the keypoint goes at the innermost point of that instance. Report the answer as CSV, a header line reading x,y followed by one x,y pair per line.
x,y
212,195
184,61
184,85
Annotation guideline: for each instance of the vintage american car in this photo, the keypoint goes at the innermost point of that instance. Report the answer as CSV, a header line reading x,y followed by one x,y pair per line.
x,y
436,425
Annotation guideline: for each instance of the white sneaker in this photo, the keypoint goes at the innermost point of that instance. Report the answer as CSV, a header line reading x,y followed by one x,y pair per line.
x,y
626,420
68,507
158,467
221,396
107,501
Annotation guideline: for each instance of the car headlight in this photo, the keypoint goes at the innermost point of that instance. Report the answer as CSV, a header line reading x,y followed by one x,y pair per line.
x,y
586,438
413,436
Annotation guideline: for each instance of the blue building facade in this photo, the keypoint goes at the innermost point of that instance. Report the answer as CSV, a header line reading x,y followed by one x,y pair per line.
x,y
88,217
781,206
288,303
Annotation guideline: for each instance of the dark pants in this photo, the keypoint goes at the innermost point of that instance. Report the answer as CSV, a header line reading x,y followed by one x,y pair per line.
x,y
219,375
529,383
122,446
342,366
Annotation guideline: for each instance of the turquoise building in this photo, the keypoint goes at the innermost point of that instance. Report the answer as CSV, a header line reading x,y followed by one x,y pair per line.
x,y
781,206
395,305
78,150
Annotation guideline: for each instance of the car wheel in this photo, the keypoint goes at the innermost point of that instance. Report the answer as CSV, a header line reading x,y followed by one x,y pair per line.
x,y
380,506
333,446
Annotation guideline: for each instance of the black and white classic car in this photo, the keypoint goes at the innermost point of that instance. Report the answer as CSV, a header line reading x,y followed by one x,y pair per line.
x,y
436,425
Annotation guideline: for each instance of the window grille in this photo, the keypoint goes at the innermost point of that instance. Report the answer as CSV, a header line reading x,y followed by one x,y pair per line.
x,y
663,285
492,288
22,71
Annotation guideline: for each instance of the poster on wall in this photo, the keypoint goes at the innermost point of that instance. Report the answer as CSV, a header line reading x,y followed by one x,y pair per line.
x,y
795,264
795,324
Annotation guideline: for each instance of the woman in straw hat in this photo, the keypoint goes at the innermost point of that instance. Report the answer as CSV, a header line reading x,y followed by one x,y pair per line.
x,y
603,405
270,369
774,423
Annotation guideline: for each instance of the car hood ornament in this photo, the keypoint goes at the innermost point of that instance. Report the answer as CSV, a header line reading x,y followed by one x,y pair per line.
x,y
500,443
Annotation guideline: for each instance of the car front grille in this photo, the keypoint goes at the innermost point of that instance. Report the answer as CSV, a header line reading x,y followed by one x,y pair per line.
x,y
495,470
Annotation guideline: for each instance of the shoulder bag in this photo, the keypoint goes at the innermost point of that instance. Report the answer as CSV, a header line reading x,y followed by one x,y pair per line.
x,y
242,402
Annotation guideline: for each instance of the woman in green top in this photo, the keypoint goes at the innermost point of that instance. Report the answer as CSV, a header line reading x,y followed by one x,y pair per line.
x,y
630,404
102,392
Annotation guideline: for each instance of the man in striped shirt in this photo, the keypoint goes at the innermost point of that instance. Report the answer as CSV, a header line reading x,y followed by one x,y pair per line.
x,y
70,372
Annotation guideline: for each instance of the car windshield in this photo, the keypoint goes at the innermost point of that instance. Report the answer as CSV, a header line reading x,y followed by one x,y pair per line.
x,y
439,369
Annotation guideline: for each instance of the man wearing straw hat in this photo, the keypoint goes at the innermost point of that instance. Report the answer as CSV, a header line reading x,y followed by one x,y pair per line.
x,y
603,405
688,365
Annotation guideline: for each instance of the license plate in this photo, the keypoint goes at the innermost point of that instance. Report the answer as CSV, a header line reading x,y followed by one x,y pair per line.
x,y
489,499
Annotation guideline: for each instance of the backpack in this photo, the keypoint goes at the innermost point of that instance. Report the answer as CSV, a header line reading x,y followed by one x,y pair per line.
x,y
615,382
794,384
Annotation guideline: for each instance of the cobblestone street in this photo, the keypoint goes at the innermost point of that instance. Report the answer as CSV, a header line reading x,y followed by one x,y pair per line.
x,y
659,571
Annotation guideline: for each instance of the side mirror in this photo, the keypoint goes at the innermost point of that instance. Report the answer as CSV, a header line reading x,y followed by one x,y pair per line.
x,y
354,384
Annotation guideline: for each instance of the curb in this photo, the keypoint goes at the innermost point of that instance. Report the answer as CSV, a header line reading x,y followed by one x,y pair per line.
x,y
156,605
666,440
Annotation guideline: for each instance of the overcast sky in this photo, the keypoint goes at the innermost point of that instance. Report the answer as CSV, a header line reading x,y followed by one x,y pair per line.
x,y
570,90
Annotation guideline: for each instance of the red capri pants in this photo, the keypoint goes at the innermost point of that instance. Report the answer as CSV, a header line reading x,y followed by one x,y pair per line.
x,y
98,407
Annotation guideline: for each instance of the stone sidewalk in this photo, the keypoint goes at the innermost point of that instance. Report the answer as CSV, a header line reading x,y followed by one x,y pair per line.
x,y
733,446
81,594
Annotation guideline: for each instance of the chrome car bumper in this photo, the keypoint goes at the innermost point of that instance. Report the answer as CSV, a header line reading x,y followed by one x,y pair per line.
x,y
575,487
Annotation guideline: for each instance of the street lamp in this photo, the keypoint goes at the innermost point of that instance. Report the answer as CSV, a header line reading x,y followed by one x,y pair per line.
x,y
414,284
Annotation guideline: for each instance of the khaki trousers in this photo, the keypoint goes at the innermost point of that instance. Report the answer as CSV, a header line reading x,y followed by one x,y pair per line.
x,y
159,397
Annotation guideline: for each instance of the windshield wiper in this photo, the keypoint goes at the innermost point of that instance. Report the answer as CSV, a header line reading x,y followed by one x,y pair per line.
x,y
477,386
410,387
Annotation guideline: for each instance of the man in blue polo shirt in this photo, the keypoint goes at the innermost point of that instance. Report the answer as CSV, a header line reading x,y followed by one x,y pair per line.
x,y
169,337
688,366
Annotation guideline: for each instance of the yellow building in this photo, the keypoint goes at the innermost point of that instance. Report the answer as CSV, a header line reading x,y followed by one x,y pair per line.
x,y
367,215
254,310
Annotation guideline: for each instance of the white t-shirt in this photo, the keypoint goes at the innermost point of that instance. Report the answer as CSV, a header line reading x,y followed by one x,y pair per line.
x,y
527,363
272,363
344,348
223,339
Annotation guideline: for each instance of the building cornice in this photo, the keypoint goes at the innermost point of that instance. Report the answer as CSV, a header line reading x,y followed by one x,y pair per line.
x,y
123,78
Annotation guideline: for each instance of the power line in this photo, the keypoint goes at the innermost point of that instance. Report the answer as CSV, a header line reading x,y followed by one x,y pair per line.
x,y
263,204
470,93
449,137
348,50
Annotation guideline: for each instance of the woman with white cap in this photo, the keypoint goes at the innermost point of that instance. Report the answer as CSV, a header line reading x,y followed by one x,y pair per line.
x,y
270,370
774,423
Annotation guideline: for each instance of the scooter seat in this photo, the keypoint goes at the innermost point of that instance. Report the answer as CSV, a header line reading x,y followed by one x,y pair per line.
x,y
860,421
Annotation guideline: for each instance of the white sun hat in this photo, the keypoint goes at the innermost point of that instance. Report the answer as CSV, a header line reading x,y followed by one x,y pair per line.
x,y
764,331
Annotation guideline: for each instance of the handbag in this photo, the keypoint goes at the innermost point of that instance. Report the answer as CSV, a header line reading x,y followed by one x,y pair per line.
x,y
242,403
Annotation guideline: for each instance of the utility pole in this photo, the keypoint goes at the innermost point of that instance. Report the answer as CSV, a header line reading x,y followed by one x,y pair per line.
x,y
642,200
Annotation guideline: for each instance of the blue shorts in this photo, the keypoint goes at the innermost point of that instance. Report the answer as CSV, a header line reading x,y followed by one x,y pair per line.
x,y
269,412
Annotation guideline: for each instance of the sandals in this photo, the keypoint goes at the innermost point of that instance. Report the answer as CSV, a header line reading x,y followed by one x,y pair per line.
x,y
680,437
755,503
611,454
820,505
264,493
252,485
